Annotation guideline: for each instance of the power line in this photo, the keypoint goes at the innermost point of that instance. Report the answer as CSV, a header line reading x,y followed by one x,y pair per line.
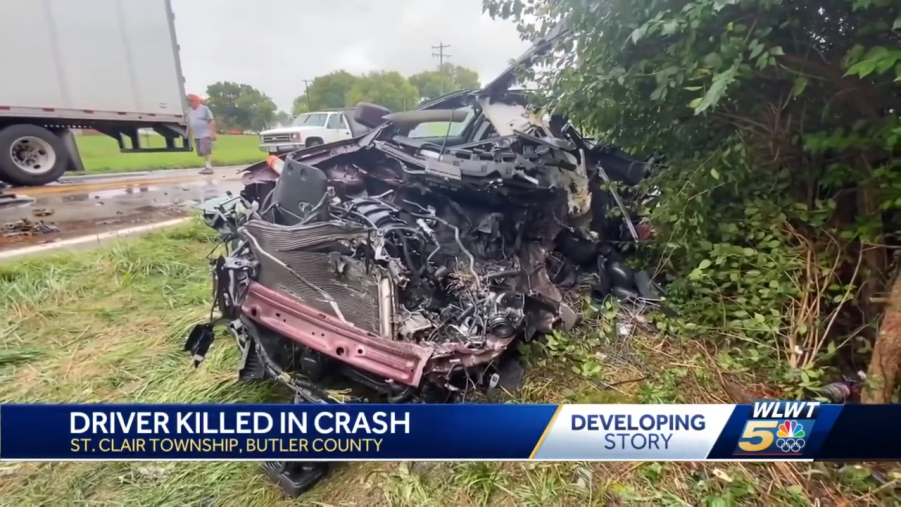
x,y
442,56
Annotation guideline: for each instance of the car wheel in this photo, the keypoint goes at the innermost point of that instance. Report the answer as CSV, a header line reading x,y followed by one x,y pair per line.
x,y
31,155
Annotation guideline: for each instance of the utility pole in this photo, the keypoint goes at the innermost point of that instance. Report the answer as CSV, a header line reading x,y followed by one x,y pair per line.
x,y
442,56
306,84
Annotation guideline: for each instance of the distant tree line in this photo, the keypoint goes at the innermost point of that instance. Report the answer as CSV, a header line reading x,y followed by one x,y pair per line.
x,y
386,88
239,106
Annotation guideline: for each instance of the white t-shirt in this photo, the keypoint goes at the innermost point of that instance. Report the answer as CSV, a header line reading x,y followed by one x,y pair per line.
x,y
200,118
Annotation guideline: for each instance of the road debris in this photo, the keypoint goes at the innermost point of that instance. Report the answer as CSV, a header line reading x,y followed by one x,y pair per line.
x,y
42,212
25,227
13,200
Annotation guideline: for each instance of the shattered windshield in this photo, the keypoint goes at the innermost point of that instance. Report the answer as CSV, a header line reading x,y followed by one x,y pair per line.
x,y
310,120
442,128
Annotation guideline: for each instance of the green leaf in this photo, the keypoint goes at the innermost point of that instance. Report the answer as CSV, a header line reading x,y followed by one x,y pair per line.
x,y
897,25
713,60
717,90
638,33
862,68
885,64
776,51
876,52
704,264
756,48
800,85
694,88
670,27
715,174
866,67
695,103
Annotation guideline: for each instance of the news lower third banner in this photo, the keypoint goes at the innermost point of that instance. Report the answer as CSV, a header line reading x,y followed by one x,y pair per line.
x,y
764,431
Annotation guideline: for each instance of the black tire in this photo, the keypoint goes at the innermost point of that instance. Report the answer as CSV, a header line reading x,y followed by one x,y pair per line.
x,y
313,141
11,172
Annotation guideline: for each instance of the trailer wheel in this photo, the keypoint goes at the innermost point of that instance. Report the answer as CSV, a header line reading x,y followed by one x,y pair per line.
x,y
31,155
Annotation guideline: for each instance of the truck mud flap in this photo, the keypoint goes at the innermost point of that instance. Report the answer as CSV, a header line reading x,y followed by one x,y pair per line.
x,y
295,477
199,340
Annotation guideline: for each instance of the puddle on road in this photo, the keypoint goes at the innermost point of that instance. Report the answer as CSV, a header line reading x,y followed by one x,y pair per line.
x,y
97,211
139,197
207,188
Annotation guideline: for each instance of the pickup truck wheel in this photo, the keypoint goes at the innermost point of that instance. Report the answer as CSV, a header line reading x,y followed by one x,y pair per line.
x,y
31,155
313,141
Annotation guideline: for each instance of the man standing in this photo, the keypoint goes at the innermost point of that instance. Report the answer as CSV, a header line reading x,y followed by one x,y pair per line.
x,y
203,128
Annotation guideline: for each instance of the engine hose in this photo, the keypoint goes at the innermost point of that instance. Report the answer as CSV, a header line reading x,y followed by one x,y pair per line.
x,y
363,217
267,204
472,260
509,272
465,313
406,395
312,213
414,273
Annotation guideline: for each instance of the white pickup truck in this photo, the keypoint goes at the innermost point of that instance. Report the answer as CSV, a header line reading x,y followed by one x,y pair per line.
x,y
312,129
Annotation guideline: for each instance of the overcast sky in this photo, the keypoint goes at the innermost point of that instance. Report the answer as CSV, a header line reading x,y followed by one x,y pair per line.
x,y
274,44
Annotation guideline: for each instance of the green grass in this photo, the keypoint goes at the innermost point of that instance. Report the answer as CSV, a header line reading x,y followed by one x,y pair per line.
x,y
107,326
101,154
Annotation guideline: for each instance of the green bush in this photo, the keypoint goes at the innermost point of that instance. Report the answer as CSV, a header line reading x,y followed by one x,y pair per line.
x,y
779,123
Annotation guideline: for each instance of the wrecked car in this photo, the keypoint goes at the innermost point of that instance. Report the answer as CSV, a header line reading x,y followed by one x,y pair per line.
x,y
403,267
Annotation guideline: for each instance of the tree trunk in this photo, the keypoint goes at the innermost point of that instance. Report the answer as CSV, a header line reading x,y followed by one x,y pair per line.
x,y
885,365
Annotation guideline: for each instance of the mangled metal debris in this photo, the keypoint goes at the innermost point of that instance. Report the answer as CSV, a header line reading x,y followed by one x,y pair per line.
x,y
410,263
417,264
26,227
396,267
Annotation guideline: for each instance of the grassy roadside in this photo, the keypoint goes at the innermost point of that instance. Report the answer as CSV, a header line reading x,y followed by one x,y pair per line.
x,y
101,154
107,325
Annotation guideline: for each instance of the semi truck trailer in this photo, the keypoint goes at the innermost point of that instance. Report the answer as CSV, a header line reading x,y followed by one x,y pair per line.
x,y
111,66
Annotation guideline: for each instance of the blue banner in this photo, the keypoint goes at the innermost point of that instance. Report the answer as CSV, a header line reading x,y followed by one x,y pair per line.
x,y
776,430
271,432
764,431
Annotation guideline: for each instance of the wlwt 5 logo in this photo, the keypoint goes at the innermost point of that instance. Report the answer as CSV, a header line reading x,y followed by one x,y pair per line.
x,y
769,438
777,428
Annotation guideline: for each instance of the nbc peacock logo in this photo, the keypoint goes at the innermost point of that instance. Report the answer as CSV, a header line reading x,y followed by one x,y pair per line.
x,y
790,436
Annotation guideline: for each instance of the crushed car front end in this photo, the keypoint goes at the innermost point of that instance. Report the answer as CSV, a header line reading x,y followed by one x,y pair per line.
x,y
396,268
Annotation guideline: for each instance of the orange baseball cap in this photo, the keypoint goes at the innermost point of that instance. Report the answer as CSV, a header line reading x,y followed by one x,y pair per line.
x,y
192,97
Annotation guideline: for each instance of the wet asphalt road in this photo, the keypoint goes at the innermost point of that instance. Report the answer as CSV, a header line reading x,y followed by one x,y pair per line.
x,y
82,206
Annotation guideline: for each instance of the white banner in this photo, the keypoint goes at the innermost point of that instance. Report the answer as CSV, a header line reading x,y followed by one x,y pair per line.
x,y
633,432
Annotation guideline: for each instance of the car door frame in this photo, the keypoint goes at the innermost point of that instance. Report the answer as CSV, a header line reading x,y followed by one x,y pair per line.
x,y
346,132
337,134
